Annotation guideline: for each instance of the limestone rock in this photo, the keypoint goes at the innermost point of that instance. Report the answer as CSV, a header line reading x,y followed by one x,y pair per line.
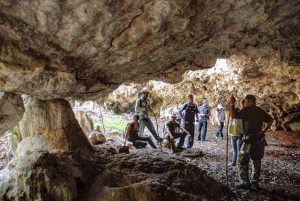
x,y
11,111
88,48
96,137
85,122
147,176
50,126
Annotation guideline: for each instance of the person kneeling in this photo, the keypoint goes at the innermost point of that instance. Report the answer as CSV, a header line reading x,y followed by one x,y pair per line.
x,y
132,135
171,127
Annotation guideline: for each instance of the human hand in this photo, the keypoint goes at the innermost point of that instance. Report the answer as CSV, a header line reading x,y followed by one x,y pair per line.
x,y
172,138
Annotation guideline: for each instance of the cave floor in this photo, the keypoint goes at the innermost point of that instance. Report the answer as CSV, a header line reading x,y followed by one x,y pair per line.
x,y
280,176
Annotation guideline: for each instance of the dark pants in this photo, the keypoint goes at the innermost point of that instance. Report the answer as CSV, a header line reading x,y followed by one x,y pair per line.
x,y
176,135
189,126
219,132
141,142
202,126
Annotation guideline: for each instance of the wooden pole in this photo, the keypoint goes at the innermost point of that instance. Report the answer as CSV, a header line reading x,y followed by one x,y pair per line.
x,y
227,144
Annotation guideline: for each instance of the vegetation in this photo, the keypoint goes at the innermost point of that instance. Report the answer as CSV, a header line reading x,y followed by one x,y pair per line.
x,y
113,122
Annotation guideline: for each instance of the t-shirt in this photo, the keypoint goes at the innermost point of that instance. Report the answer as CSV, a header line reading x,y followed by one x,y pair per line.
x,y
172,125
190,111
176,112
253,119
203,111
134,132
143,106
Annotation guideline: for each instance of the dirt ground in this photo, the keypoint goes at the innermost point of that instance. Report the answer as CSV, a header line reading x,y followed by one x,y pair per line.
x,y
280,176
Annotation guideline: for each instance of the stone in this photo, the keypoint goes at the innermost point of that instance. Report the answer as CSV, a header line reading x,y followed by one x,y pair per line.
x,y
87,49
191,153
50,126
294,126
148,176
85,122
11,111
96,137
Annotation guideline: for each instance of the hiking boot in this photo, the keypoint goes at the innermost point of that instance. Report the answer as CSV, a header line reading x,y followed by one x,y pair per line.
x,y
180,148
243,185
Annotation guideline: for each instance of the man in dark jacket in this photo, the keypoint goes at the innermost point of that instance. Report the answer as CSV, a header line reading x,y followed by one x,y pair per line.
x,y
188,112
254,118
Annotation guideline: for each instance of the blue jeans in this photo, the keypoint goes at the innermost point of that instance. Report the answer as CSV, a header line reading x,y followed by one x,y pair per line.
x,y
202,124
189,126
146,122
219,132
236,145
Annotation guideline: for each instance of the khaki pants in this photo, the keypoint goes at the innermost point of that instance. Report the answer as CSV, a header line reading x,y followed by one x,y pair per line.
x,y
243,162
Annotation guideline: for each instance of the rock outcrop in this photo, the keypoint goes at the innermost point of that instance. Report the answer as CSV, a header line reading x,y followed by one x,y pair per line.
x,y
11,111
278,91
147,176
56,49
50,126
85,122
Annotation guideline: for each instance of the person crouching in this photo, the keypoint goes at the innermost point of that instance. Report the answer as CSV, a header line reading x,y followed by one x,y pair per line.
x,y
132,135
171,127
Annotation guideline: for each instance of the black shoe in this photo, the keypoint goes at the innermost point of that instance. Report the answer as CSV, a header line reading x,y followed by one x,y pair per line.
x,y
233,164
180,148
216,137
240,185
199,139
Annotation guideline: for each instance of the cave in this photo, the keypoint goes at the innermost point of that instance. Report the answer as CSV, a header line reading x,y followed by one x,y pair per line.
x,y
71,72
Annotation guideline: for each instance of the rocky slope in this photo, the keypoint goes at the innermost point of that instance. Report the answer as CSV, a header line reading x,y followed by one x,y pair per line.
x,y
56,49
142,176
275,84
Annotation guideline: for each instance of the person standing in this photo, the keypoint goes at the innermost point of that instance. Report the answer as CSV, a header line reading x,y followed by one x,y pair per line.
x,y
187,113
143,108
235,130
175,110
132,135
256,122
172,127
220,114
204,114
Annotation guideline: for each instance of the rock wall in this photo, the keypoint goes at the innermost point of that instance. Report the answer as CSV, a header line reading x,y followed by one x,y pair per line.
x,y
56,49
11,111
85,122
275,84
50,126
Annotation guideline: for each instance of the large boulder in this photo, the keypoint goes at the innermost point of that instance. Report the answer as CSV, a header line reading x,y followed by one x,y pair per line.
x,y
11,111
140,176
50,126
